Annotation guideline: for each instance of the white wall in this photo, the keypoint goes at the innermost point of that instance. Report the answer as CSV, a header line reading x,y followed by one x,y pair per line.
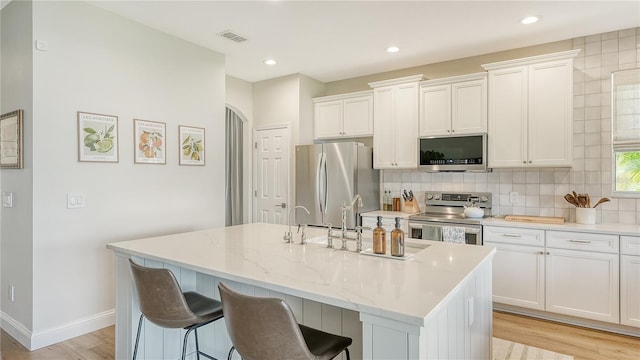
x,y
99,62
240,98
16,223
309,88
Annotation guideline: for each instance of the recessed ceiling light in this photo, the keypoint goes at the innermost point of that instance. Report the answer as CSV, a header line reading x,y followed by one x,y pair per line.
x,y
393,49
530,20
270,62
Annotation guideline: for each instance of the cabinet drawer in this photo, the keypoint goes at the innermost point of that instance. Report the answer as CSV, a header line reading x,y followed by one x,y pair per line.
x,y
583,241
630,245
509,235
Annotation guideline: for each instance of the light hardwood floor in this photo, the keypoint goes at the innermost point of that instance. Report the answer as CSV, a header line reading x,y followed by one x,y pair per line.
x,y
582,343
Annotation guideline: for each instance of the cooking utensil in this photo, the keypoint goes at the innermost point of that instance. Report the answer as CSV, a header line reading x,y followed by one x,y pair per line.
x,y
571,200
601,201
588,201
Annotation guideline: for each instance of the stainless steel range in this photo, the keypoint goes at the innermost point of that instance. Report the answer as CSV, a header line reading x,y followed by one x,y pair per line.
x,y
444,219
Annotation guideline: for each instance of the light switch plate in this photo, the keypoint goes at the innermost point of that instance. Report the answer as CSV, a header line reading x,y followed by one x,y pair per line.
x,y
7,199
75,200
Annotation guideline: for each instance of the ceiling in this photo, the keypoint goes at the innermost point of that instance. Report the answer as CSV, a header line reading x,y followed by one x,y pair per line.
x,y
334,40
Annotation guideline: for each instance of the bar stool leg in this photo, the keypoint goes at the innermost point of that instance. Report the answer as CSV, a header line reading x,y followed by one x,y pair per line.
x,y
195,331
233,348
346,351
184,344
135,348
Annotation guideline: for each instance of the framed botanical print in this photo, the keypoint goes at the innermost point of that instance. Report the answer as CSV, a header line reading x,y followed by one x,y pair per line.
x,y
192,145
97,137
149,144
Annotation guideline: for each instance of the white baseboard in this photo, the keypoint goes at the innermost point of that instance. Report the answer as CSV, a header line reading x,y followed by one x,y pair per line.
x,y
16,330
37,340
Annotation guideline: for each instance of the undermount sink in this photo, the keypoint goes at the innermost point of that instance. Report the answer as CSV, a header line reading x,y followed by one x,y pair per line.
x,y
411,247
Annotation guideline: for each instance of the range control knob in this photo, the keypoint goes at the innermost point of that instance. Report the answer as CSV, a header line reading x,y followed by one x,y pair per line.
x,y
429,196
484,198
436,196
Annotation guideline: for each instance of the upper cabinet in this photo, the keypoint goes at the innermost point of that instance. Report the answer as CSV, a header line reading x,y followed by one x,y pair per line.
x,y
345,115
454,105
530,120
395,123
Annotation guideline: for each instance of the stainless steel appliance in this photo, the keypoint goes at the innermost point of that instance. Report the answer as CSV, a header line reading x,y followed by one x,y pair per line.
x,y
453,153
444,211
329,176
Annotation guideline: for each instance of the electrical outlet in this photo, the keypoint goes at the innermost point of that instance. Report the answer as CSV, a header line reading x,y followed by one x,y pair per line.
x,y
513,197
12,293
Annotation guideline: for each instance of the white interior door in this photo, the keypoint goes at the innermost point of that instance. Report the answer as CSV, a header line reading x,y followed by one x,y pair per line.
x,y
272,152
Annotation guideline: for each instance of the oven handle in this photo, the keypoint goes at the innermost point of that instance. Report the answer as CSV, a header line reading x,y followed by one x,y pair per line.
x,y
467,229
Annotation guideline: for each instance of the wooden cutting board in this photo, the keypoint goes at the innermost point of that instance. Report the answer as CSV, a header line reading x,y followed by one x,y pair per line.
x,y
535,219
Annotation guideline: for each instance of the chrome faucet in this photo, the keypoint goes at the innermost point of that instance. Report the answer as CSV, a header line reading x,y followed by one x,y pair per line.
x,y
287,236
346,208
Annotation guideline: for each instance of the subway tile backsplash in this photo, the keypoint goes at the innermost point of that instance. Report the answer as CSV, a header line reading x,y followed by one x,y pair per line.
x,y
540,191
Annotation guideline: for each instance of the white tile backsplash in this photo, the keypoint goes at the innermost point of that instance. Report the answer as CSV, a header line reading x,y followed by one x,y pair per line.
x,y
541,191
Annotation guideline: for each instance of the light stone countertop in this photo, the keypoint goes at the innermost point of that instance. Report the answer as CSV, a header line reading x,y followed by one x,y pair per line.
x,y
405,290
615,229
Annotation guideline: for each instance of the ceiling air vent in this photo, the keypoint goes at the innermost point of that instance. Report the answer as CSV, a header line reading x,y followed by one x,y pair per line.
x,y
232,36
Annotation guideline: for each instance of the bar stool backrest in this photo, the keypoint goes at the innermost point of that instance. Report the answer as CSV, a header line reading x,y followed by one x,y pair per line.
x,y
262,328
160,297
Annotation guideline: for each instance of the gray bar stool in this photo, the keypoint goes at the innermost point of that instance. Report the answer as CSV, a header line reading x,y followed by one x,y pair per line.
x,y
266,329
163,303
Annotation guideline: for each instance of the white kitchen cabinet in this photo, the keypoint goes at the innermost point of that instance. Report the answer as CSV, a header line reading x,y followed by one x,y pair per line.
x,y
395,123
582,275
530,105
630,280
518,266
454,105
345,115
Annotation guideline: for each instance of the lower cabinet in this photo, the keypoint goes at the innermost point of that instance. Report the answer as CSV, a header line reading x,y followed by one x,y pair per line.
x,y
630,280
570,273
583,284
518,275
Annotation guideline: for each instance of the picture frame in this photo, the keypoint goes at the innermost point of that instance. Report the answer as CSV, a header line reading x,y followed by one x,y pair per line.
x,y
149,142
97,137
192,145
11,137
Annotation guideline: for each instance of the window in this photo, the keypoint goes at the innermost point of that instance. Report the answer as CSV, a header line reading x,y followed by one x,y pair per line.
x,y
625,132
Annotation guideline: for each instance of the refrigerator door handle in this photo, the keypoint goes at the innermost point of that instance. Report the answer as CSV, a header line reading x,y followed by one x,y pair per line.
x,y
324,178
318,183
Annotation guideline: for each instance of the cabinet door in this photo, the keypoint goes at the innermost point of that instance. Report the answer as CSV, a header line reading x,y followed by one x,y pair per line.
x,y
327,120
630,290
507,133
583,284
435,110
358,116
550,124
406,126
469,107
518,275
383,128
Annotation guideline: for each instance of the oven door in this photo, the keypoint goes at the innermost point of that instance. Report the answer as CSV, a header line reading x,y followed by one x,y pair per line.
x,y
428,230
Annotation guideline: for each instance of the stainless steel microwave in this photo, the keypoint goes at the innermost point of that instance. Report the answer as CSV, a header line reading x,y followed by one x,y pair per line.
x,y
453,153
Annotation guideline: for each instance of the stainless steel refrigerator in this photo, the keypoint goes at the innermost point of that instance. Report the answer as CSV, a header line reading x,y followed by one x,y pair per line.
x,y
328,176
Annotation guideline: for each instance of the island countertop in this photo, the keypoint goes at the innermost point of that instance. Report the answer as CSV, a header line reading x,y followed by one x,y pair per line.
x,y
406,290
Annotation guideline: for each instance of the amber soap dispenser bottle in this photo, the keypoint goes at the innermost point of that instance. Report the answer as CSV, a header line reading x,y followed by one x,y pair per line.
x,y
397,240
379,238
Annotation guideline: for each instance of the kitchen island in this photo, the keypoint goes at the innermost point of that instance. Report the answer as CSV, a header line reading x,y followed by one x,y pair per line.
x,y
436,304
